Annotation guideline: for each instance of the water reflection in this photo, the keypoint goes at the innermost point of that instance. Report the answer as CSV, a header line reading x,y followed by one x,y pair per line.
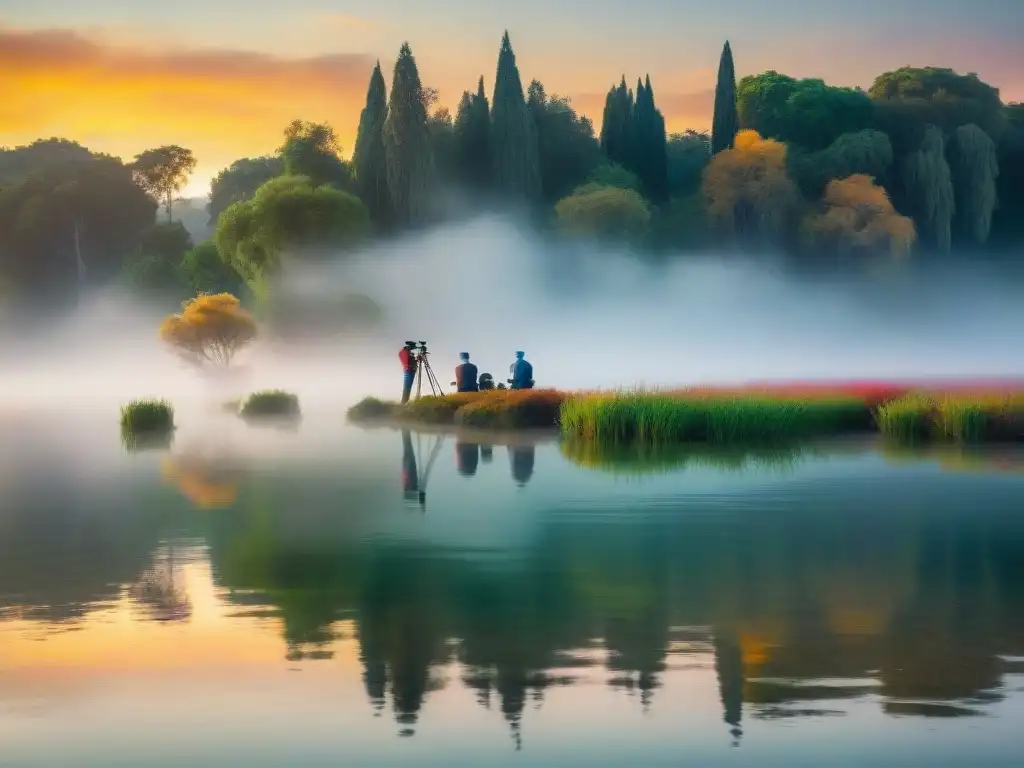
x,y
901,591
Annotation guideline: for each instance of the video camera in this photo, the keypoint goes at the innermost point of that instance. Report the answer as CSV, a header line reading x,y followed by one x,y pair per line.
x,y
420,347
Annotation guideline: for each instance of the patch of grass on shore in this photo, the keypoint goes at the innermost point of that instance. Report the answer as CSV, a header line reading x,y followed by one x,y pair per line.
x,y
271,403
653,417
961,418
495,409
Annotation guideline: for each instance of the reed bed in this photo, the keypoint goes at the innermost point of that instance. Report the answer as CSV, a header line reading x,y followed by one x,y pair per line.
x,y
656,417
961,418
271,403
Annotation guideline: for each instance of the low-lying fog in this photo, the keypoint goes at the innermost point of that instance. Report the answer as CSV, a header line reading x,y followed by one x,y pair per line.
x,y
585,319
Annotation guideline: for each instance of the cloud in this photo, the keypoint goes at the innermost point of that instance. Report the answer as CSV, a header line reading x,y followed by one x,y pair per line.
x,y
223,104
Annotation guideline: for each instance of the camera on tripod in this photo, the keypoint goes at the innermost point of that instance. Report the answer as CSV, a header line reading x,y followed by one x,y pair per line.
x,y
419,347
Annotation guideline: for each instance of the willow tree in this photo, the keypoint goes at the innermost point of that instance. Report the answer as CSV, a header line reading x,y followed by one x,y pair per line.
x,y
975,170
929,187
407,148
368,158
725,123
516,158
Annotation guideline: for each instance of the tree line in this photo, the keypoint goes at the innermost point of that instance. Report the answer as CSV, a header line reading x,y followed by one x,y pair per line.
x,y
925,159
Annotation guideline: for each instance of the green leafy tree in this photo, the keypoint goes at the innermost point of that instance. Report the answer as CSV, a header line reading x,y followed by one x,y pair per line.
x,y
568,149
725,121
604,212
368,159
866,152
239,182
805,112
444,145
407,144
473,139
312,150
155,267
515,153
163,172
66,223
1008,220
613,175
975,168
909,99
687,154
18,163
206,272
929,187
288,216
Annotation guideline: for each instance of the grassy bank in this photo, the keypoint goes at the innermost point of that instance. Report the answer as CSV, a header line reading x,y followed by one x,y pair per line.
x,y
960,418
753,415
496,409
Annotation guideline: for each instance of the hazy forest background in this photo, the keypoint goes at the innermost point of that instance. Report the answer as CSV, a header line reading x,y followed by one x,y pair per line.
x,y
927,162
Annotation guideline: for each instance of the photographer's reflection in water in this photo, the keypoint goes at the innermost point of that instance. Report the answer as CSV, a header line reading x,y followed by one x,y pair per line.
x,y
467,457
521,458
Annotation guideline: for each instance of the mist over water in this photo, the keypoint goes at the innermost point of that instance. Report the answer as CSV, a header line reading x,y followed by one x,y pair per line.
x,y
585,318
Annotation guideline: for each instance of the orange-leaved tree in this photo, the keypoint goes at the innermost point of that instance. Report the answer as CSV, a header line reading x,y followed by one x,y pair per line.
x,y
747,190
857,216
211,329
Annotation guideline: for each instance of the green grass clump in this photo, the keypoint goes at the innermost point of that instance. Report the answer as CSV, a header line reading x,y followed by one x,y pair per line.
x,y
957,418
147,424
370,408
512,409
907,419
272,403
643,417
141,416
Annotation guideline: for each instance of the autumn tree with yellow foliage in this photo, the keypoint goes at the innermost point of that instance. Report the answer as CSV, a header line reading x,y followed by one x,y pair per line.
x,y
858,217
747,190
210,330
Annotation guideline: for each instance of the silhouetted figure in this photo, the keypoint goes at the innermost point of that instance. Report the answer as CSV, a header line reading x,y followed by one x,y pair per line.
x,y
465,375
522,458
522,373
411,489
729,667
408,361
467,457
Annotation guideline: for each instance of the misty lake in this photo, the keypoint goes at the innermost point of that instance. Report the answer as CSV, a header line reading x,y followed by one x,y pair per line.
x,y
255,597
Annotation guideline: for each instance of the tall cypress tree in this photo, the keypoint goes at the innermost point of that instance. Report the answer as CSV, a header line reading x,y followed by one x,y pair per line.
x,y
473,136
368,158
652,145
407,147
516,159
616,125
725,122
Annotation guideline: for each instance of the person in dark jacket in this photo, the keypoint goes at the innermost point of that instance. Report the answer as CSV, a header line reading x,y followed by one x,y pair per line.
x,y
465,375
522,373
408,361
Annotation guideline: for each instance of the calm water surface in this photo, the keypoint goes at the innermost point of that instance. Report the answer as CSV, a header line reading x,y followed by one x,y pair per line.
x,y
265,598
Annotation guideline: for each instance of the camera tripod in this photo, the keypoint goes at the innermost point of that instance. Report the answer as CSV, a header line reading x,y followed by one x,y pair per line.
x,y
423,364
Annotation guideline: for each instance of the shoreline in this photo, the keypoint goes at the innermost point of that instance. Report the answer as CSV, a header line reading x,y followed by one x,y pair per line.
x,y
972,413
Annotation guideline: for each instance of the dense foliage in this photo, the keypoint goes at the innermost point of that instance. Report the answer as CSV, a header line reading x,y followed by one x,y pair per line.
x,y
925,157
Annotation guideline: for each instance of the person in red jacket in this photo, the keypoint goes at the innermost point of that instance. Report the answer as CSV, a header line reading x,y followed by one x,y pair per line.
x,y
408,361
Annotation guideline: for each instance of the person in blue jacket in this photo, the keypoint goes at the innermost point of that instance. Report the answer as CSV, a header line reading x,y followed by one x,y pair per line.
x,y
522,373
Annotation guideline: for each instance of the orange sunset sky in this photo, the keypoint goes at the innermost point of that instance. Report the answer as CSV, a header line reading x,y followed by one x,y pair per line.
x,y
224,78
